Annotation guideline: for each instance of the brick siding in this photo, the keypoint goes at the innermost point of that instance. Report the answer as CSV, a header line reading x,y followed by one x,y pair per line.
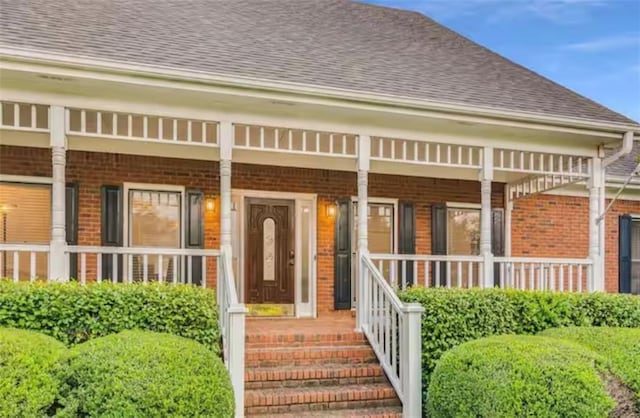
x,y
542,225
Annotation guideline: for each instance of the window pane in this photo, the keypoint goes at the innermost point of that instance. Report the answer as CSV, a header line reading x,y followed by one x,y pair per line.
x,y
305,256
463,231
25,217
155,222
463,238
380,227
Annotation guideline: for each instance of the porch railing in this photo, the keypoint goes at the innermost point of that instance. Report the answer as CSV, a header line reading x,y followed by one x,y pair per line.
x,y
232,326
24,261
140,264
561,274
402,270
393,329
526,273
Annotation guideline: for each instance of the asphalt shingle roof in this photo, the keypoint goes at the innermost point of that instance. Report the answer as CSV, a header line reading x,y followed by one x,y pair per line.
x,y
331,43
624,166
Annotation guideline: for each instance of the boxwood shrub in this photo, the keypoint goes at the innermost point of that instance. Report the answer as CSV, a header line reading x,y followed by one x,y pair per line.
x,y
144,374
518,376
73,313
28,359
620,347
454,316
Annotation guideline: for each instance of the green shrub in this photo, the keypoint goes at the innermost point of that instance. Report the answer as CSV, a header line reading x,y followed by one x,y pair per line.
x,y
619,346
454,316
144,374
518,376
73,313
27,362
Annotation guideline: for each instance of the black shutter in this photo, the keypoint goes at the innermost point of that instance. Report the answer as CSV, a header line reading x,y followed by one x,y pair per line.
x,y
71,225
438,241
111,229
407,238
497,241
342,256
624,264
194,232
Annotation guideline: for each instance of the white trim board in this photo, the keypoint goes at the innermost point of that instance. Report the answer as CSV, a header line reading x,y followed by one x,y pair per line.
x,y
9,178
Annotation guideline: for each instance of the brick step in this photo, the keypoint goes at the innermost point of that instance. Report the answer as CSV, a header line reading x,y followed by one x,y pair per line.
x,y
325,398
295,356
317,375
381,412
261,340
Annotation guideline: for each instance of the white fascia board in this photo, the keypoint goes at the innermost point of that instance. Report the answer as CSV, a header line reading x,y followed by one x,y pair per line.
x,y
306,93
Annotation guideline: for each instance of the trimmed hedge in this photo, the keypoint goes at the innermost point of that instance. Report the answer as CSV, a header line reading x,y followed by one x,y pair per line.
x,y
518,376
73,313
145,374
619,346
455,316
27,362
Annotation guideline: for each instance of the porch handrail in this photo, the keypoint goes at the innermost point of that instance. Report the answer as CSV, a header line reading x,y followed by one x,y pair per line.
x,y
393,329
14,251
548,260
196,252
180,258
425,257
536,273
232,326
430,269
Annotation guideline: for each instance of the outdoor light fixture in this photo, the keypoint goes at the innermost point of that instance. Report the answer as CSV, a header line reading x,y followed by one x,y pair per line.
x,y
210,204
331,210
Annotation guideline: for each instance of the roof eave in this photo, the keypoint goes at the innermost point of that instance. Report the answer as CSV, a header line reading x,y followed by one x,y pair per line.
x,y
147,71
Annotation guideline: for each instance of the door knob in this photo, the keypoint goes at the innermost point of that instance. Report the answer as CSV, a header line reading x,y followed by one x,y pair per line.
x,y
292,257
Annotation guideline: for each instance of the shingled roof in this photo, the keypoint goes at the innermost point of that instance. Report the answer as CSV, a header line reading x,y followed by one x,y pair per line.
x,y
327,43
626,165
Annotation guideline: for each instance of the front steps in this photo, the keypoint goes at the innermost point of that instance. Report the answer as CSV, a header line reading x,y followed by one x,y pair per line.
x,y
314,372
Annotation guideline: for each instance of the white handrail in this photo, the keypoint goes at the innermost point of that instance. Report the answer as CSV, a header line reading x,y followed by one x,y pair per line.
x,y
142,250
232,326
556,274
145,264
393,329
429,270
14,251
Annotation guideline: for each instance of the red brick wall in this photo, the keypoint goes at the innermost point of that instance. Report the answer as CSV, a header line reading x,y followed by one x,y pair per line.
x,y
557,226
542,225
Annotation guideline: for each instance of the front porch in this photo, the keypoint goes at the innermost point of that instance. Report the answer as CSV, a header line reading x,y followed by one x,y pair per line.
x,y
302,213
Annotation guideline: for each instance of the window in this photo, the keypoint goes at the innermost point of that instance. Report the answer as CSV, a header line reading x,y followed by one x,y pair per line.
x,y
155,221
463,238
463,231
25,218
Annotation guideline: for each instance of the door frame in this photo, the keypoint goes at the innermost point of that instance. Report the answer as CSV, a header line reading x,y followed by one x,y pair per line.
x,y
238,237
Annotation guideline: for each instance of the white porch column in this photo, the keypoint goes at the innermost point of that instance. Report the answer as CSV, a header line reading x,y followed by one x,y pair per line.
x,y
58,246
596,201
508,210
364,154
226,147
486,176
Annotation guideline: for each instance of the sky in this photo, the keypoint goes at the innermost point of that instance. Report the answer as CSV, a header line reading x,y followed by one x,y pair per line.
x,y
589,46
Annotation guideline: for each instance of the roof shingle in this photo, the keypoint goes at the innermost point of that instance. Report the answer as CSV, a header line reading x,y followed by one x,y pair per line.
x,y
331,43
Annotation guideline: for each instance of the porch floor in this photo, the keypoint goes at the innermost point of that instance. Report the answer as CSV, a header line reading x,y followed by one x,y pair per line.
x,y
325,323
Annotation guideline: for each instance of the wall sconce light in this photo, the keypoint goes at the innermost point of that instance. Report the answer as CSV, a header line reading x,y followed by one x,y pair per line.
x,y
331,210
210,204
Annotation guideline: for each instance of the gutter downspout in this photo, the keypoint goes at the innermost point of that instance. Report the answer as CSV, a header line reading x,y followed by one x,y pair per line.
x,y
627,146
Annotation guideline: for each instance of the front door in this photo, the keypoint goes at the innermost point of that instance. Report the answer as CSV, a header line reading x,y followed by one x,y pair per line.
x,y
269,251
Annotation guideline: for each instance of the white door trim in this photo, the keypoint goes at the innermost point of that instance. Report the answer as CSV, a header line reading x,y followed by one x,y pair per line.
x,y
239,195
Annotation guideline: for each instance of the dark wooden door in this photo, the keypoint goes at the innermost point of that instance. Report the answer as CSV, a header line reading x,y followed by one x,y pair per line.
x,y
269,250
